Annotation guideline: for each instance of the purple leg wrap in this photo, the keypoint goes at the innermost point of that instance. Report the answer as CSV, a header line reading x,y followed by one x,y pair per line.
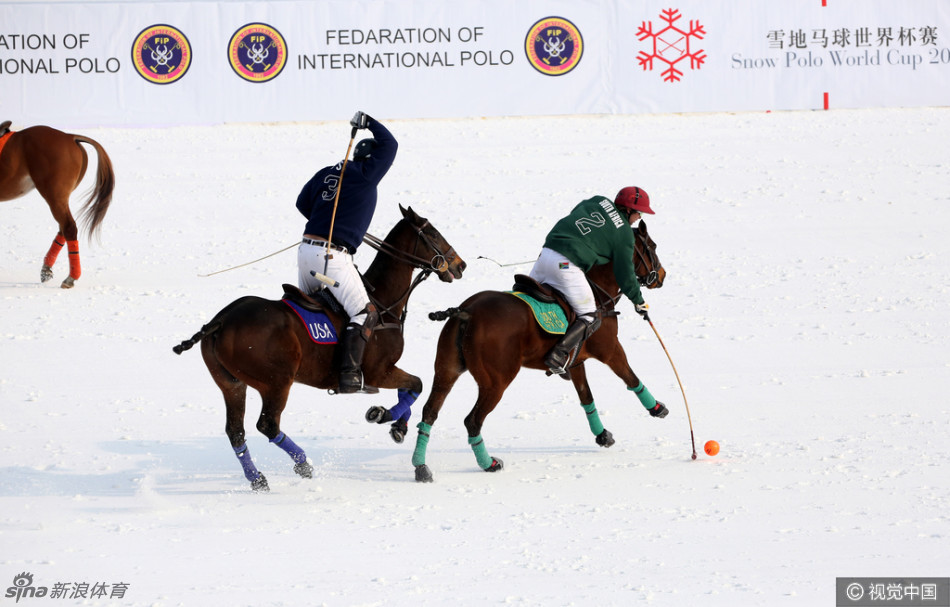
x,y
251,472
403,408
296,453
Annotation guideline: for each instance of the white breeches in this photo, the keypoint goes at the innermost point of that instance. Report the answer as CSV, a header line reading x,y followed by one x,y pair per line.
x,y
350,292
555,269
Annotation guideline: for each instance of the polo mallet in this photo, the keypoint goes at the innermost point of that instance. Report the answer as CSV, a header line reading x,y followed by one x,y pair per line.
x,y
692,437
324,279
336,200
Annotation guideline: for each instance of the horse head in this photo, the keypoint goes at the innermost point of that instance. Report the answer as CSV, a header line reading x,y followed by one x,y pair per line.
x,y
649,271
431,249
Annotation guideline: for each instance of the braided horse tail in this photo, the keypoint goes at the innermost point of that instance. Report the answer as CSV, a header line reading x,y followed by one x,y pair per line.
x,y
213,326
205,331
462,316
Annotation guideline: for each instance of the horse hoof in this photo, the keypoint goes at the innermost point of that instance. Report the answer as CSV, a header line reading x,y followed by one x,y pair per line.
x,y
259,485
399,430
304,470
69,283
496,465
46,273
605,438
423,474
378,415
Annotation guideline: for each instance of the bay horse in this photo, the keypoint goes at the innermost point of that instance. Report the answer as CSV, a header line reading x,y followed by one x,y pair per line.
x,y
263,344
53,163
493,334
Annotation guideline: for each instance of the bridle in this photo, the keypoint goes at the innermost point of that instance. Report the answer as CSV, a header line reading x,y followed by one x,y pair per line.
x,y
437,263
652,276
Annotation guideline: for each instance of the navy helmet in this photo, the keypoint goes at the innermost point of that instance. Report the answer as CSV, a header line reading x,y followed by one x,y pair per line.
x,y
364,149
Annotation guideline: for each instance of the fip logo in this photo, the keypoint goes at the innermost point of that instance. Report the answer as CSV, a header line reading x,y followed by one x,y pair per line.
x,y
554,46
257,52
161,54
23,588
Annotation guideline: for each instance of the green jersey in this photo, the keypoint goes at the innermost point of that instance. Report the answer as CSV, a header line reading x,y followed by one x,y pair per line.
x,y
596,233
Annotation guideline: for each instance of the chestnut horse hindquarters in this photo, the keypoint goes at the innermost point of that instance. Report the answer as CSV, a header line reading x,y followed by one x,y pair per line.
x,y
54,163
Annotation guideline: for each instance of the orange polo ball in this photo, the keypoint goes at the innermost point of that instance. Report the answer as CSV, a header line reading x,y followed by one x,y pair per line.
x,y
711,448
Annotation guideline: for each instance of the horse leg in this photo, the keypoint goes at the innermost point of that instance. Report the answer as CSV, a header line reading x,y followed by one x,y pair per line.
x,y
235,393
448,368
579,378
273,402
56,193
408,388
489,394
617,362
46,272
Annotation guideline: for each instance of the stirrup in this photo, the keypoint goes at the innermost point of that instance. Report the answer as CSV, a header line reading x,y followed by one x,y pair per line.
x,y
563,370
355,387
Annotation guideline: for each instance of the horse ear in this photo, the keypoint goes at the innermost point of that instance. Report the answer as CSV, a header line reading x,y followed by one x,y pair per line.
x,y
408,213
642,228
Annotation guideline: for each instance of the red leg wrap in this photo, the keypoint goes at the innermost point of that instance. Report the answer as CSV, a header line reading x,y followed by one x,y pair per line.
x,y
54,250
74,268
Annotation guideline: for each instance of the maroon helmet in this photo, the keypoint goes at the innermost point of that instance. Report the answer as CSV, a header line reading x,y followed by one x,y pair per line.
x,y
634,198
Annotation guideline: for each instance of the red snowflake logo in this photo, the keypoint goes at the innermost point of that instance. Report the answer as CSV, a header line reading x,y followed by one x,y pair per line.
x,y
671,45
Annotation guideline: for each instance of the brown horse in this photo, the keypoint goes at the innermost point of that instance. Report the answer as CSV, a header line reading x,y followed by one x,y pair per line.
x,y
493,334
54,164
263,344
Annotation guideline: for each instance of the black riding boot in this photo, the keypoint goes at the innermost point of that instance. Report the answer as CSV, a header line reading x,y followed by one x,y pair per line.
x,y
351,373
562,354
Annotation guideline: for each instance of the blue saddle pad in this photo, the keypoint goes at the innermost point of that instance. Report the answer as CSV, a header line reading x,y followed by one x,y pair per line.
x,y
318,324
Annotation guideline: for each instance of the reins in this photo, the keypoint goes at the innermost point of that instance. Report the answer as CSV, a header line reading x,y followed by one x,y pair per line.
x,y
438,263
606,301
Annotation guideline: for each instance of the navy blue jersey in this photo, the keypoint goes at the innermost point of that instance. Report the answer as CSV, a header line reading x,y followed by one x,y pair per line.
x,y
357,202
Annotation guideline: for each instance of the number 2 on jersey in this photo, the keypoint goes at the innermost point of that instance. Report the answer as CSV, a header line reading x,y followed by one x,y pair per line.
x,y
584,224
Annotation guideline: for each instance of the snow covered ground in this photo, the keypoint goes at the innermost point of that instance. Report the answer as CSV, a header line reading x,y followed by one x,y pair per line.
x,y
806,310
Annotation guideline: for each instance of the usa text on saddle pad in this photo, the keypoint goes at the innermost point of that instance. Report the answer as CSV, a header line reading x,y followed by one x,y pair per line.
x,y
550,316
318,324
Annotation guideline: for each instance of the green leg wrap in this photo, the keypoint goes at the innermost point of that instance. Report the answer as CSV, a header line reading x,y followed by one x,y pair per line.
x,y
422,442
593,419
481,451
646,399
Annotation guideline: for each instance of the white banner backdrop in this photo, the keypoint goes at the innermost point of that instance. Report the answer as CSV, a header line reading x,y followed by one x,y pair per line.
x,y
147,64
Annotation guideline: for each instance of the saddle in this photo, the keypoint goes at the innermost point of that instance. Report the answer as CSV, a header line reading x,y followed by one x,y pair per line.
x,y
5,127
321,301
543,293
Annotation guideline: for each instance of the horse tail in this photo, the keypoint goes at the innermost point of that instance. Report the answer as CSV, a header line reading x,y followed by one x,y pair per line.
x,y
463,316
205,331
446,314
94,209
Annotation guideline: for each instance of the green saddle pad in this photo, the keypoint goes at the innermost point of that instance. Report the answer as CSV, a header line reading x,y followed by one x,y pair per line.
x,y
550,316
